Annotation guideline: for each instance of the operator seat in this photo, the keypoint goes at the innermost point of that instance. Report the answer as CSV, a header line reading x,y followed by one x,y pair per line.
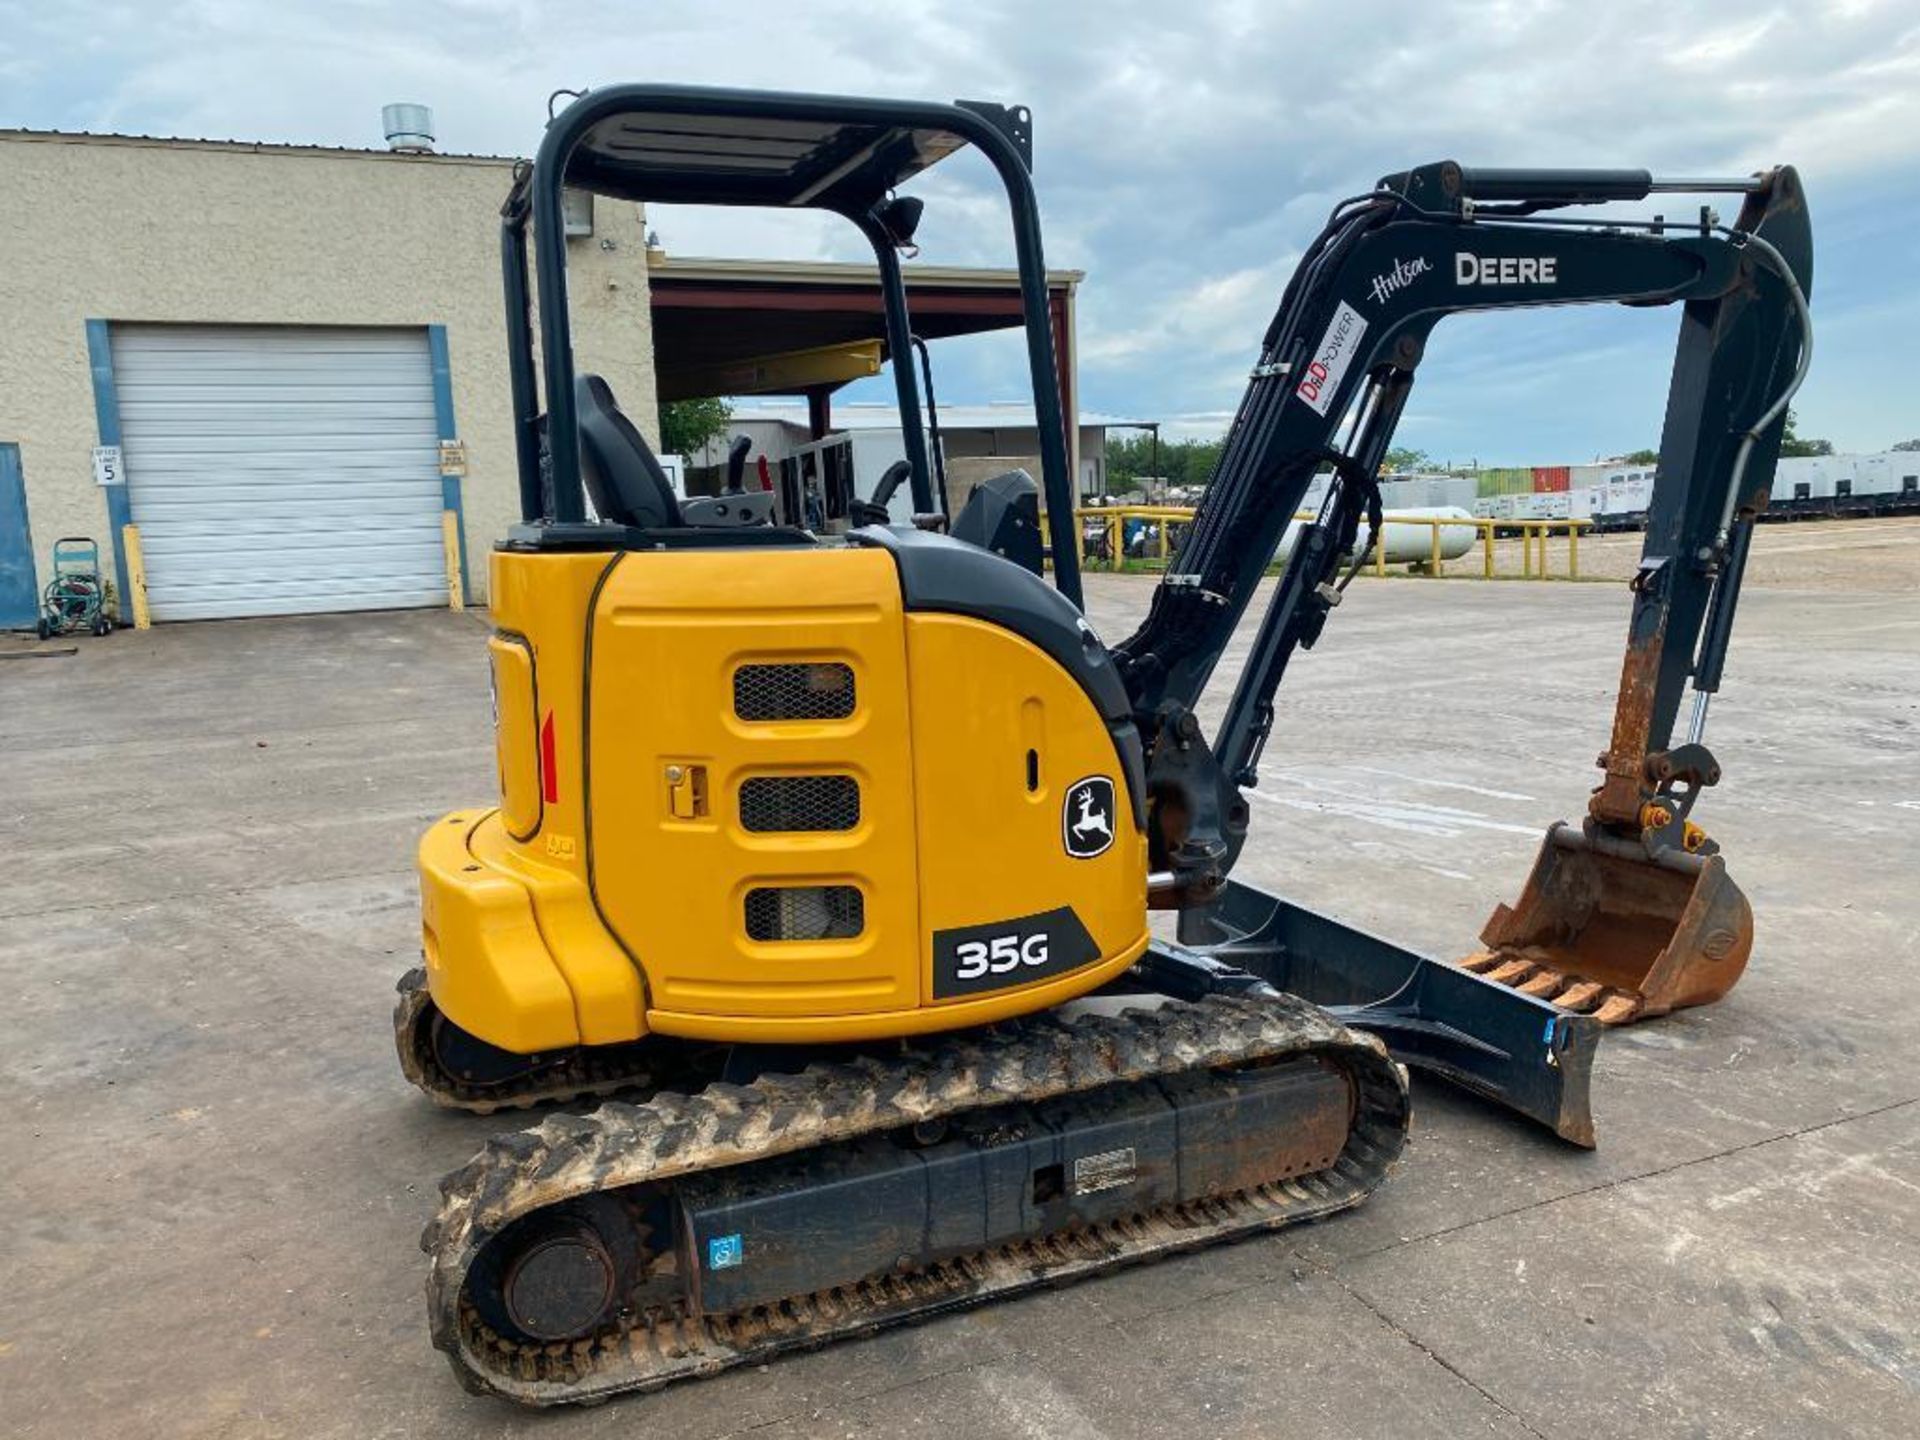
x,y
625,481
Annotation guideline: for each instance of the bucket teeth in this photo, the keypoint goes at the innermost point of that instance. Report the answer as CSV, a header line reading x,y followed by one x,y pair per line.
x,y
1512,972
1606,1004
1619,1008
1605,926
1581,995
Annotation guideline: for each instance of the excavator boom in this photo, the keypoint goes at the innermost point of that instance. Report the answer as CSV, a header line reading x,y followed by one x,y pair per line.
x,y
1633,914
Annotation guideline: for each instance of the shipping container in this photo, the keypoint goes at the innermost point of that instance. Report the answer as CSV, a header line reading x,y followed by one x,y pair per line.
x,y
1540,505
1874,484
1590,475
1627,495
1883,483
1904,498
1548,479
1803,486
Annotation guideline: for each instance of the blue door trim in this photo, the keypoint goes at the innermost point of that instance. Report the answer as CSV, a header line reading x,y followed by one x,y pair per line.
x,y
450,486
19,583
106,413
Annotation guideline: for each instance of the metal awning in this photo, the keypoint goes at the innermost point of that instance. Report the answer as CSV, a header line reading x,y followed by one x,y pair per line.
x,y
794,328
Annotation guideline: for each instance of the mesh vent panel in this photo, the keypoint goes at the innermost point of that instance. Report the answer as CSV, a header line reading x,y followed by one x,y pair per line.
x,y
793,692
805,912
786,803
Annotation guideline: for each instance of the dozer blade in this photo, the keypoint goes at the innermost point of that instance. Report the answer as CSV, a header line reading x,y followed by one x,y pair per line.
x,y
1603,929
1510,1047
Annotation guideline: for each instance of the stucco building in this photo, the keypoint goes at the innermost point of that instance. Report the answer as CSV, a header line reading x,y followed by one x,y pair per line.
x,y
279,339
293,360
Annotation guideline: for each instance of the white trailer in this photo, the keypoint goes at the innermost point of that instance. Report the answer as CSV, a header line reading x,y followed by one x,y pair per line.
x,y
1802,486
1628,495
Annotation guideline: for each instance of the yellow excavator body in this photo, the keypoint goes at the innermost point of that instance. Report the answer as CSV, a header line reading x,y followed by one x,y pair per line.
x,y
754,799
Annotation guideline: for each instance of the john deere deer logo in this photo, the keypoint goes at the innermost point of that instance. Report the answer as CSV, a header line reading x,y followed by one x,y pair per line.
x,y
1086,819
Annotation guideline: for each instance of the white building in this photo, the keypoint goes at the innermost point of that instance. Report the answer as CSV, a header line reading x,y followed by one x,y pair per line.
x,y
977,442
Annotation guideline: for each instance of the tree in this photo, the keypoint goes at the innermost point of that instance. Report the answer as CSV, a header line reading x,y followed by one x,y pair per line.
x,y
1131,460
1642,457
1792,444
1908,445
1402,459
686,426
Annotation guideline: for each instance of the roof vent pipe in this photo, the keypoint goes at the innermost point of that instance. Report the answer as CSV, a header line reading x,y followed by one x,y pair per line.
x,y
409,128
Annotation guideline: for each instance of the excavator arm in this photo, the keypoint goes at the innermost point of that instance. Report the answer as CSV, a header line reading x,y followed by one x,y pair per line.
x,y
1333,376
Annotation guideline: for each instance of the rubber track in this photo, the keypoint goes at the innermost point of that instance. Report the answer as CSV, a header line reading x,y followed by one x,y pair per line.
x,y
572,1080
624,1144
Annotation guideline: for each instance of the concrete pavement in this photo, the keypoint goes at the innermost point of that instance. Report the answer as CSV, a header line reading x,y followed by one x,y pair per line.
x,y
213,1176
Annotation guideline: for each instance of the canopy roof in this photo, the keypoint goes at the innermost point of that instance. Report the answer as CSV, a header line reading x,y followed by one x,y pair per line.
x,y
702,147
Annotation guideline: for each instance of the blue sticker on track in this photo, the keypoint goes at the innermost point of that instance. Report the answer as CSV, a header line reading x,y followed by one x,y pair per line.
x,y
724,1252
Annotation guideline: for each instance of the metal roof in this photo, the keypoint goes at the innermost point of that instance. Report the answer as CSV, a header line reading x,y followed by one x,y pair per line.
x,y
671,268
877,416
258,147
716,321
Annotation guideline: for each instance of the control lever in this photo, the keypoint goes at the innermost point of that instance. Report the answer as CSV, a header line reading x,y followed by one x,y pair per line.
x,y
737,464
874,511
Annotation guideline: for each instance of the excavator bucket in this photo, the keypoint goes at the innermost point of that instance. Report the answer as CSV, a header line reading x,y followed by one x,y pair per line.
x,y
1605,930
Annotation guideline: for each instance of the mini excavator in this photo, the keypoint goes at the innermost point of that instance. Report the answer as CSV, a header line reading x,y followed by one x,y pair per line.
x,y
839,852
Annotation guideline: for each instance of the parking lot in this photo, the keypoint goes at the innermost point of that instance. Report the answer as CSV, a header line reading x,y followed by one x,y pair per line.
x,y
213,1175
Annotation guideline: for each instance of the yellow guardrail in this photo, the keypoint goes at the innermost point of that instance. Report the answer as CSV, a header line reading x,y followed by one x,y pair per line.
x,y
1533,537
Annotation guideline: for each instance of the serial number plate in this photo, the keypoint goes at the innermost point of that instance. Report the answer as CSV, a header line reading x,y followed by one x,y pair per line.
x,y
1106,1171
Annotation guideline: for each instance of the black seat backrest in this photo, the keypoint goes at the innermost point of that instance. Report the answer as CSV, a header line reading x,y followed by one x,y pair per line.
x,y
622,476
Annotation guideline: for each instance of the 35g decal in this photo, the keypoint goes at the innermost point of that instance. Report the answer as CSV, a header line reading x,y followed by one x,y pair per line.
x,y
1001,955
1014,951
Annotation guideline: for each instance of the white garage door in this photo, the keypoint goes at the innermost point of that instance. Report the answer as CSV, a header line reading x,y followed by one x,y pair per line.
x,y
279,471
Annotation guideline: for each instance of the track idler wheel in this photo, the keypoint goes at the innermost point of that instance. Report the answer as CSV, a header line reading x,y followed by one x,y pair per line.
x,y
562,1274
560,1282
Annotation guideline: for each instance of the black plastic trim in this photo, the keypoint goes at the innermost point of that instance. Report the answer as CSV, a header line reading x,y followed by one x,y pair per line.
x,y
942,574
587,535
948,576
586,778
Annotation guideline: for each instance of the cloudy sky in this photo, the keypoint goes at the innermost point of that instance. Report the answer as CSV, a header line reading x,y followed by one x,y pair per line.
x,y
1184,154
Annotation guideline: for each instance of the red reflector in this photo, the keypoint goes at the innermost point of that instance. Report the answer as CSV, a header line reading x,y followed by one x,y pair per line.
x,y
549,772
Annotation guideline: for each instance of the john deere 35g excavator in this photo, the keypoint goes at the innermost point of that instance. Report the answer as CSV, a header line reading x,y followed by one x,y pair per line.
x,y
854,841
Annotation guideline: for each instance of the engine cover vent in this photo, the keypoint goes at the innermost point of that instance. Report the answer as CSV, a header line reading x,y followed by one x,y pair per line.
x,y
785,804
818,691
805,912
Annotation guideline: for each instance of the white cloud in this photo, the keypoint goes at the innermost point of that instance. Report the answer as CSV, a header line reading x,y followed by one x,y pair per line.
x,y
1183,155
